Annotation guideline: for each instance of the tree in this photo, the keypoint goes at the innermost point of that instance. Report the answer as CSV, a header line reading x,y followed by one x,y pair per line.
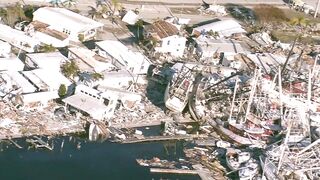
x,y
97,76
47,48
62,90
70,69
55,3
13,14
70,3
299,21
116,5
139,25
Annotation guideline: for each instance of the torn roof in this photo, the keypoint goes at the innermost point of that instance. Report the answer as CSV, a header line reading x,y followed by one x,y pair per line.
x,y
61,17
88,58
220,45
223,27
162,29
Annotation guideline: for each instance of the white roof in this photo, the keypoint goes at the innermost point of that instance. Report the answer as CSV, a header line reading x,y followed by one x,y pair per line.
x,y
130,17
223,27
40,96
121,53
219,45
61,17
52,78
15,37
48,61
35,80
267,61
11,64
87,56
86,103
21,81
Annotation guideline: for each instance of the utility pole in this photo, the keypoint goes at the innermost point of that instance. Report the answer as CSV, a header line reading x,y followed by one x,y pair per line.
x,y
317,9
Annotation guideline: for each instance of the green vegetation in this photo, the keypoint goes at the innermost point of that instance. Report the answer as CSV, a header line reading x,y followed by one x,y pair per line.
x,y
62,90
97,76
299,21
213,33
289,37
70,69
12,14
139,25
81,37
47,48
267,13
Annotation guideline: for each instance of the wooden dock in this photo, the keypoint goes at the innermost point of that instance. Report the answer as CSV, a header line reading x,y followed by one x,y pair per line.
x,y
161,138
173,171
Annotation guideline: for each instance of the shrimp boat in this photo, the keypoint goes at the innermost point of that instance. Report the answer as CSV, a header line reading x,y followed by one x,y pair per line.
x,y
211,93
178,89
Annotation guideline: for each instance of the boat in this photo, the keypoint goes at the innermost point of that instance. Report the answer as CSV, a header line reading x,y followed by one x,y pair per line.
x,y
178,89
249,170
211,92
235,158
228,134
156,162
98,131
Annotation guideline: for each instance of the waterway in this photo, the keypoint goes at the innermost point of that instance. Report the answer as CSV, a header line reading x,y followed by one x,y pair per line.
x,y
81,159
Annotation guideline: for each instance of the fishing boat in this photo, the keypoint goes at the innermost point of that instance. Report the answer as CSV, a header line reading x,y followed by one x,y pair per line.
x,y
178,89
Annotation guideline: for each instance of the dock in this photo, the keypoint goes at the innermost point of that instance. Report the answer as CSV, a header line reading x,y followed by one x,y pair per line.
x,y
173,171
161,138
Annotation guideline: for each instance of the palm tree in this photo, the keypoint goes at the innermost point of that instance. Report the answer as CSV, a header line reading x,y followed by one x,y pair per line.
x,y
55,3
139,24
102,3
93,12
299,21
116,5
70,3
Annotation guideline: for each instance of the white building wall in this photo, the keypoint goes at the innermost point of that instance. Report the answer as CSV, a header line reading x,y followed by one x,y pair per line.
x,y
174,45
49,40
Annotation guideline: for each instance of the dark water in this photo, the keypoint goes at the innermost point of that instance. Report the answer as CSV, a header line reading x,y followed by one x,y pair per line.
x,y
93,160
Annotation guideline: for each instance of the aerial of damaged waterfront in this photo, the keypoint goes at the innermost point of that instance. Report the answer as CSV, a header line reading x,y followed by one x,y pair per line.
x,y
160,89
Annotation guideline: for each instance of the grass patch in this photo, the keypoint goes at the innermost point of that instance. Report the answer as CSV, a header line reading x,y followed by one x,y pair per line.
x,y
267,13
289,37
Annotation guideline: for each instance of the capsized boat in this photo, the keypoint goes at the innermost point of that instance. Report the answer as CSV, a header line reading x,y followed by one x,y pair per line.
x,y
235,158
178,89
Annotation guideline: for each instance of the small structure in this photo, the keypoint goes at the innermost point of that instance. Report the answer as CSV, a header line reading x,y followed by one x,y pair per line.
x,y
18,39
224,28
44,34
121,79
32,89
49,61
15,80
46,80
207,48
74,25
167,38
177,22
5,49
124,58
91,102
11,64
89,61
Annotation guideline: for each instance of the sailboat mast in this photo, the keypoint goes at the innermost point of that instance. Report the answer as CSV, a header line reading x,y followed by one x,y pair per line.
x,y
233,99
